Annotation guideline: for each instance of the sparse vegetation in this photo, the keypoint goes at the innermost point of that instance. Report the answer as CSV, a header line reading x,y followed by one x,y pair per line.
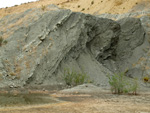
x,y
5,41
2,41
121,84
43,7
83,9
73,78
118,2
134,86
13,74
146,80
92,2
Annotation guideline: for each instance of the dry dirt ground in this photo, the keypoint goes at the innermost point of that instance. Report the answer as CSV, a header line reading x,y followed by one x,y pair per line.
x,y
103,102
85,6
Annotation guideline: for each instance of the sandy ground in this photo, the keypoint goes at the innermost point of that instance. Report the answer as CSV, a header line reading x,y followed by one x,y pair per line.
x,y
102,102
88,6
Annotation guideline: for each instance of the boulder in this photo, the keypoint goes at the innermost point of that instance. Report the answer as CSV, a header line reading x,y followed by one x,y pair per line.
x,y
40,45
38,52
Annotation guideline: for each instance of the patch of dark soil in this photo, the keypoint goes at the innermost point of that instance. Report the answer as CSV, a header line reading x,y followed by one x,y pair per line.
x,y
8,100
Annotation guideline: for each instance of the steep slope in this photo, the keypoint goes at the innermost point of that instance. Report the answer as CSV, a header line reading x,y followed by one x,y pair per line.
x,y
38,53
88,6
107,6
41,43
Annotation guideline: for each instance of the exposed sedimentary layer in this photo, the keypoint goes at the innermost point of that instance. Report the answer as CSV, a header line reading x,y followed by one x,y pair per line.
x,y
47,42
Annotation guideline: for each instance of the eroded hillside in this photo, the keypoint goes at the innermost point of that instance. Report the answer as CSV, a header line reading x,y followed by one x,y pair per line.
x,y
88,6
40,42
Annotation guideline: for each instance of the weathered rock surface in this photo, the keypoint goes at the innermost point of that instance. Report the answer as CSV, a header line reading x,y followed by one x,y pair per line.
x,y
136,14
45,43
132,53
37,54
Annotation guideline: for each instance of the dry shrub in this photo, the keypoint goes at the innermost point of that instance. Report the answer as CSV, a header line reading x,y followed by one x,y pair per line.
x,y
118,2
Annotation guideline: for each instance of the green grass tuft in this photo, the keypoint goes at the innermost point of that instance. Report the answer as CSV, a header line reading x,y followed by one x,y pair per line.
x,y
121,84
73,78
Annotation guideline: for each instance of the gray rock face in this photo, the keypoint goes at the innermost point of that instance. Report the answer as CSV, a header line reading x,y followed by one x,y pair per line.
x,y
132,36
135,14
130,51
58,39
37,53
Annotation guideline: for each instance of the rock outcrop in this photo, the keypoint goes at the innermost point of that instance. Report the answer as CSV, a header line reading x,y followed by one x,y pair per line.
x,y
45,43
133,44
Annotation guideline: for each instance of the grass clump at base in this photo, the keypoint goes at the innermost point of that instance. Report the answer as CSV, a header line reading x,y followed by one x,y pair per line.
x,y
73,78
121,84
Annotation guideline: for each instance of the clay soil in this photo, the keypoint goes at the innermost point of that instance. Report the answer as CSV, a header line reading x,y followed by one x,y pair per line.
x,y
89,103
